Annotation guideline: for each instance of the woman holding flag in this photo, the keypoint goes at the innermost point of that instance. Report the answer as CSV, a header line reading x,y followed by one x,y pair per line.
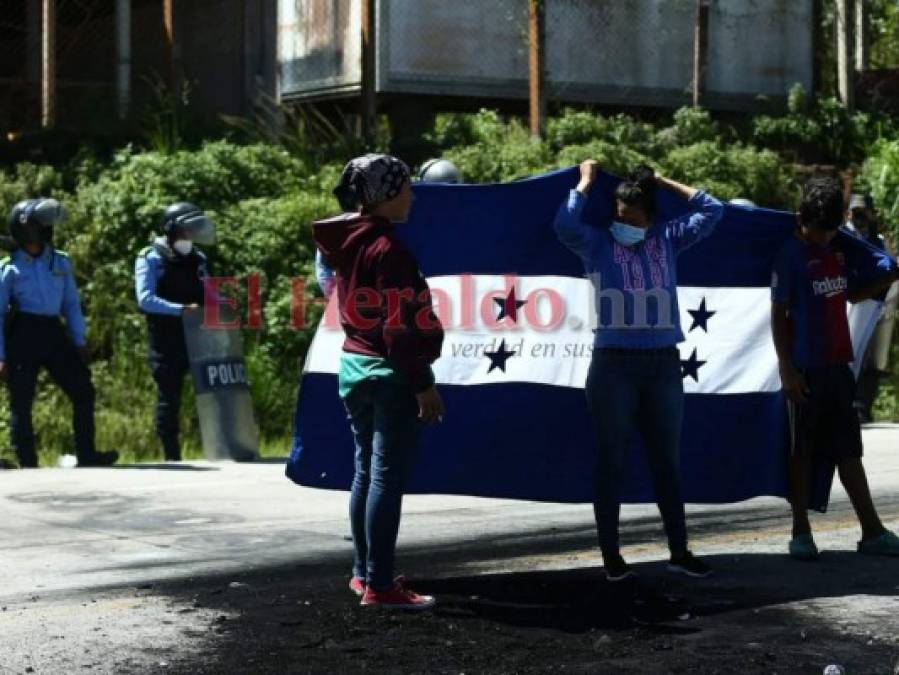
x,y
634,384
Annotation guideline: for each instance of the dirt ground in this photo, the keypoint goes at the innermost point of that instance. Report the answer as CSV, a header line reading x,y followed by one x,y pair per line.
x,y
761,613
171,590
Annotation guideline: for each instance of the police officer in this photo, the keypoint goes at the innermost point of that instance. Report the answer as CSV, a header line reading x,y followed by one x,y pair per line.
x,y
36,287
169,280
862,219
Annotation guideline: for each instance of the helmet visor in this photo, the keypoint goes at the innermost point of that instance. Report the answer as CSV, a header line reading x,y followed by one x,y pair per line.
x,y
48,213
200,228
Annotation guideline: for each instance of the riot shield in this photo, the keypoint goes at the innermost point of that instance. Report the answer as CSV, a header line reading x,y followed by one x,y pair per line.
x,y
224,405
863,318
883,334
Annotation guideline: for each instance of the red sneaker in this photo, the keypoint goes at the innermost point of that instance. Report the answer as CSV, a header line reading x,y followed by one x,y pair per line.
x,y
357,585
398,597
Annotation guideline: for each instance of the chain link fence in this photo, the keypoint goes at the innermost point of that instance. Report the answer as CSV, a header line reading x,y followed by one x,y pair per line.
x,y
80,50
60,60
463,53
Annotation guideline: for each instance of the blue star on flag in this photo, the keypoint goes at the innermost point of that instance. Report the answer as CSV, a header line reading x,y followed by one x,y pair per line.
x,y
499,357
690,367
701,317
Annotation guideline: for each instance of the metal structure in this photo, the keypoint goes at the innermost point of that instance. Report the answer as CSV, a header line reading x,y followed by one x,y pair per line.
x,y
89,65
635,53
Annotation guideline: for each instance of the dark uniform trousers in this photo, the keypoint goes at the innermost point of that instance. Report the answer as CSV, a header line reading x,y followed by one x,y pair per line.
x,y
35,342
181,282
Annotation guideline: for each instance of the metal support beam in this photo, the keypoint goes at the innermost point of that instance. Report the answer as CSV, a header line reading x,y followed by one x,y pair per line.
x,y
48,64
862,36
537,65
369,112
845,52
123,57
700,50
173,56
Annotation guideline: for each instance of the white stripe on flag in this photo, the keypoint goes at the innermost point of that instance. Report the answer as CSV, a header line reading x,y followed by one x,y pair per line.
x,y
730,342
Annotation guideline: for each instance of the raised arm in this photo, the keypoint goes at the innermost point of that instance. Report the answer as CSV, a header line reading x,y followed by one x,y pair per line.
x,y
690,229
575,234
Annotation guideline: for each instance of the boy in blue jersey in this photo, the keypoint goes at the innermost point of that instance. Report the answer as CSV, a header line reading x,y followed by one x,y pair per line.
x,y
37,287
811,285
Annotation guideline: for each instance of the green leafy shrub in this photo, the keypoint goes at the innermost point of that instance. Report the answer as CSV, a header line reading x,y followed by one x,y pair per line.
x,y
880,173
825,133
501,151
734,171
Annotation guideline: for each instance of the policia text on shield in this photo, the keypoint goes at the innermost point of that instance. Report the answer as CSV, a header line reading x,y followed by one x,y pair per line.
x,y
37,287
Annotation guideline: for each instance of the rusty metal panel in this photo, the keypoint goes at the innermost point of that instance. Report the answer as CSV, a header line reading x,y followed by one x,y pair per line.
x,y
638,52
319,47
760,47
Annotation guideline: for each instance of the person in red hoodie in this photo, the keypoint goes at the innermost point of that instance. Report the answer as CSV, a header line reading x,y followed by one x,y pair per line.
x,y
385,378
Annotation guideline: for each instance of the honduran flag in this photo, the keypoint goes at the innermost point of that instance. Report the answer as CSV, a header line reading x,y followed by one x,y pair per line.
x,y
515,358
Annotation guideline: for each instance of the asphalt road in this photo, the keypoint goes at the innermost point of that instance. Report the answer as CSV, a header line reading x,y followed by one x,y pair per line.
x,y
122,569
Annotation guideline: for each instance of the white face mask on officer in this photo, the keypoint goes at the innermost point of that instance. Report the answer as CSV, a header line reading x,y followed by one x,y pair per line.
x,y
183,246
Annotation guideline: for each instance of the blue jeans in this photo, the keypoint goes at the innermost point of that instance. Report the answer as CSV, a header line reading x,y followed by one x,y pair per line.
x,y
384,419
637,391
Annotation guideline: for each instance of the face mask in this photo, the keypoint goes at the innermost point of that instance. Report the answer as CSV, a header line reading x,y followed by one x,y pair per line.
x,y
627,235
183,246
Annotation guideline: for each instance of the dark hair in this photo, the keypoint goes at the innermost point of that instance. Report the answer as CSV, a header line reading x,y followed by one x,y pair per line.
x,y
822,204
639,189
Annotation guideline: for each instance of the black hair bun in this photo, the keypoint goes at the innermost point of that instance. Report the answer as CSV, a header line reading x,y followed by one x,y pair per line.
x,y
644,177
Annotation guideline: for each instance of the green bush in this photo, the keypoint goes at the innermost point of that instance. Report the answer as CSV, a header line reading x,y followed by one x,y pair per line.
x,y
262,199
881,174
500,152
734,171
825,133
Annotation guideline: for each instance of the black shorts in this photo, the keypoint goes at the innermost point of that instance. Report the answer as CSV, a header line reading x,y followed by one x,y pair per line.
x,y
826,426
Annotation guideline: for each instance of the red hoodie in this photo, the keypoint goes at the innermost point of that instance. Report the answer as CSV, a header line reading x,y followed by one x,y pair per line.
x,y
385,303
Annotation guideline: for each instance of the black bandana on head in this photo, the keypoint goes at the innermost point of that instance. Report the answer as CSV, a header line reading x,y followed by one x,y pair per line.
x,y
370,180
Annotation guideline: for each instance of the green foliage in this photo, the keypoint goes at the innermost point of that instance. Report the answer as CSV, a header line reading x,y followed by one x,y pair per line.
x,y
262,198
734,171
797,99
694,148
263,195
884,26
826,133
880,173
500,152
26,181
694,125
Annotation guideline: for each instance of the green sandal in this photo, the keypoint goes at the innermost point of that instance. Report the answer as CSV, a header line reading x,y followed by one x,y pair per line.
x,y
803,548
884,544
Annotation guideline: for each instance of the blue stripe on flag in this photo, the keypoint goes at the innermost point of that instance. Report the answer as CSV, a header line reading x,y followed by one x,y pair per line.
x,y
528,441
